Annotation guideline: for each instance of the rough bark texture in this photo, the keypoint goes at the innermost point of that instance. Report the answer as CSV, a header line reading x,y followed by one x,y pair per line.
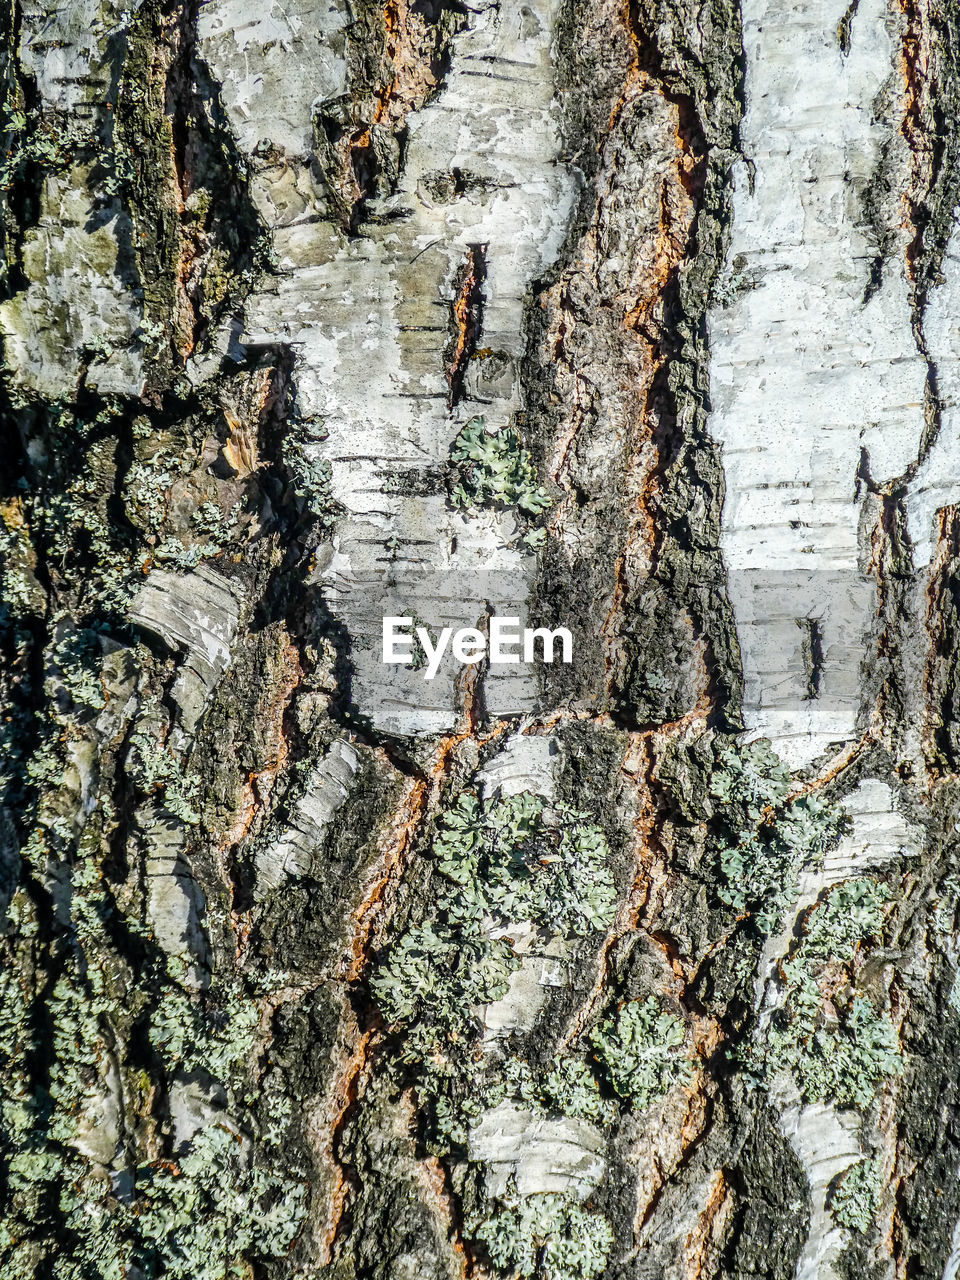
x,y
640,318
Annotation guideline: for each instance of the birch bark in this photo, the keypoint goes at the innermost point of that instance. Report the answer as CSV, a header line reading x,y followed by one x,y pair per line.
x,y
639,319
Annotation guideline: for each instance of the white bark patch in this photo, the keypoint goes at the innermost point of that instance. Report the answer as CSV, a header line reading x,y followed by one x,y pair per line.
x,y
826,1142
66,48
175,902
369,319
808,367
879,835
327,788
543,964
282,64
77,309
192,1108
541,1154
196,613
100,1111
525,763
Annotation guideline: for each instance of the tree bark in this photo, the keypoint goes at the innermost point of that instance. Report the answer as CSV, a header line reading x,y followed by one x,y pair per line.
x,y
636,319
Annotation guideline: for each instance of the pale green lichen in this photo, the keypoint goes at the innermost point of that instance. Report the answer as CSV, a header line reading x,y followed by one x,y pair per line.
x,y
146,486
210,519
149,481
761,870
641,1051
153,768
199,1220
563,1086
70,512
838,1046
311,473
501,862
216,1037
278,1115
765,841
854,1195
20,593
549,1235
511,858
213,525
77,1010
31,140
93,1030
748,779
77,657
432,980
494,469
197,1216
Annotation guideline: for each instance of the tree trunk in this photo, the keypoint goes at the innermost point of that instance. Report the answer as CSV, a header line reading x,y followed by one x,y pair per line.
x,y
637,319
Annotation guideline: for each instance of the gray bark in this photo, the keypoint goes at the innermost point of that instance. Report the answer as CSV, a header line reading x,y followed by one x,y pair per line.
x,y
638,319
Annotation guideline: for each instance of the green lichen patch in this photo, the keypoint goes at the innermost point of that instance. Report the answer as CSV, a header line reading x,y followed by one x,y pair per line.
x,y
433,979
854,1195
547,1235
500,862
30,140
641,1051
203,1207
836,1042
565,1086
152,767
517,859
760,871
215,1037
200,1218
762,840
493,469
310,473
197,1218
748,779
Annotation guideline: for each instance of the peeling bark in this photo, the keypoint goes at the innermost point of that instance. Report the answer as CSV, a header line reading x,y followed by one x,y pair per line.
x,y
638,319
